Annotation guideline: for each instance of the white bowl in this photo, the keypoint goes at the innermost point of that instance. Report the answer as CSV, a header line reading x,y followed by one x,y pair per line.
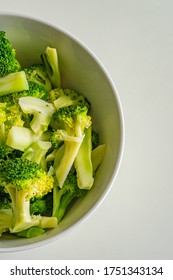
x,y
83,72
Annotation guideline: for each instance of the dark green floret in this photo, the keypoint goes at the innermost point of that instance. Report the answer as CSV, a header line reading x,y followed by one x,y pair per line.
x,y
8,60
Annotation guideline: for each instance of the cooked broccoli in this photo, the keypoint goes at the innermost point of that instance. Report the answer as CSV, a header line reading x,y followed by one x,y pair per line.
x,y
37,75
62,197
66,97
8,61
31,232
51,65
97,156
24,179
83,163
5,151
41,110
34,90
5,200
42,205
20,138
5,220
37,152
9,116
49,152
13,82
73,120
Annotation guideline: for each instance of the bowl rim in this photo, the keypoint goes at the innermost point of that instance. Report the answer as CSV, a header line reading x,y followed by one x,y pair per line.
x,y
122,130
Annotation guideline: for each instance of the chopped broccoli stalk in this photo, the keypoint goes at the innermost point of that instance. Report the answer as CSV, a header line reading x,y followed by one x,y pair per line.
x,y
83,163
66,97
13,82
62,197
37,151
8,60
97,156
20,138
34,90
24,179
37,75
50,61
41,110
74,120
5,220
31,232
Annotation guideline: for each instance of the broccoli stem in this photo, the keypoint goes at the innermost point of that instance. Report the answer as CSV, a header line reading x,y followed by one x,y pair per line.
x,y
97,156
65,201
61,200
83,163
70,152
21,210
31,232
13,82
50,62
5,220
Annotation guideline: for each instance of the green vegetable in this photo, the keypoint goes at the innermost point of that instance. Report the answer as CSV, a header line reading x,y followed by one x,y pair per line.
x,y
62,197
37,75
24,179
50,61
67,97
8,61
73,120
13,82
49,152
31,232
40,110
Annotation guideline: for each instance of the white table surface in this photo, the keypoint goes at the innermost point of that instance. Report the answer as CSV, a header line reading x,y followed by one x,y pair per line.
x,y
134,41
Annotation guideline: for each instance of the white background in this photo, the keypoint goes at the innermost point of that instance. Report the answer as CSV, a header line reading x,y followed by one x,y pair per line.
x,y
134,41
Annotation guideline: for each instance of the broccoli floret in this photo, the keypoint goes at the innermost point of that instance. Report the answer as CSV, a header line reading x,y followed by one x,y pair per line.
x,y
67,97
37,75
10,115
8,60
5,151
34,90
24,179
60,135
62,197
13,82
73,120
41,110
51,66
5,200
42,205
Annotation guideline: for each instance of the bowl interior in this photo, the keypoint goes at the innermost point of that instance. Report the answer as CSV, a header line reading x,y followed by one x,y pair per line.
x,y
82,71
